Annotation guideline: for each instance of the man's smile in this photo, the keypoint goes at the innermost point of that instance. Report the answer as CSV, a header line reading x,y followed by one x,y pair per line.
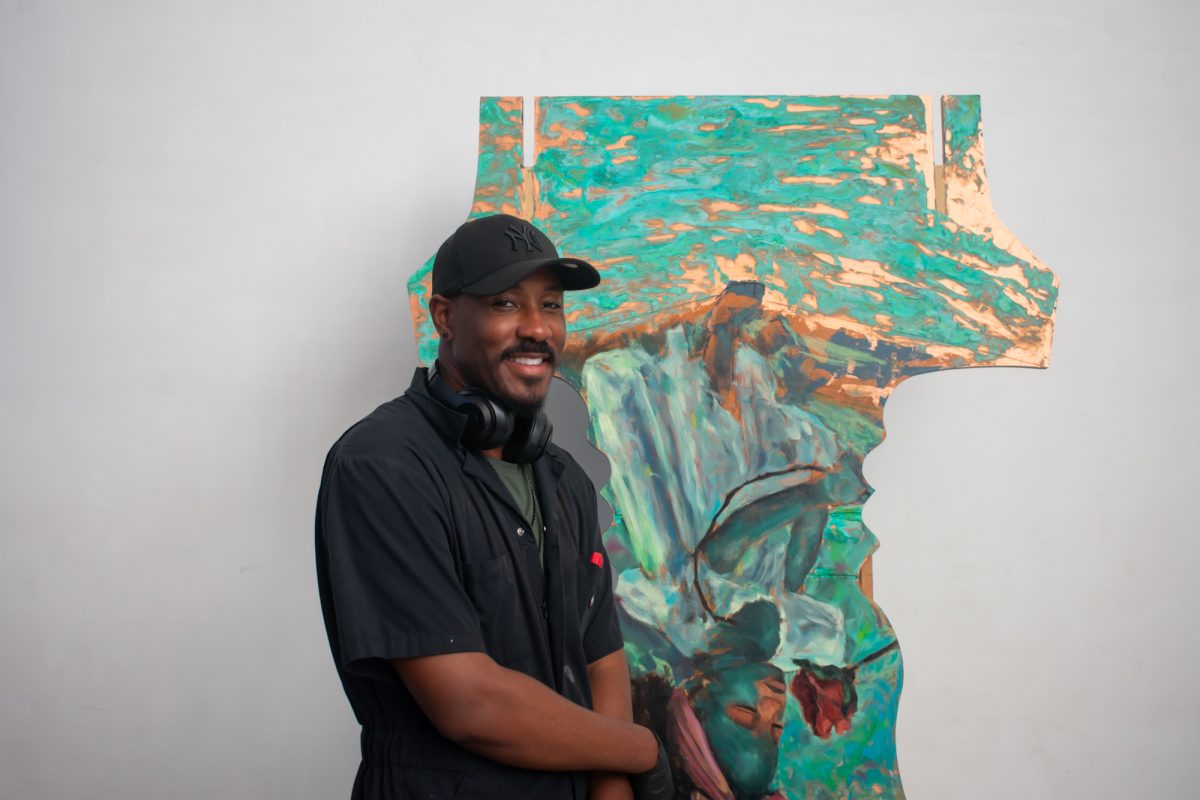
x,y
532,359
534,365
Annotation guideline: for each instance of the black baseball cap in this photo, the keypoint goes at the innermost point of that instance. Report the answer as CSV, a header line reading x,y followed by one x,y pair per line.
x,y
487,255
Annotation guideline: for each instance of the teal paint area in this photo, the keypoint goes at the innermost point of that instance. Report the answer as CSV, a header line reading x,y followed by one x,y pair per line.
x,y
858,763
826,201
738,543
961,126
773,267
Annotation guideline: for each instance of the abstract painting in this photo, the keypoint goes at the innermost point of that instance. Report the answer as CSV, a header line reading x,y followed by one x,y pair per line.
x,y
773,267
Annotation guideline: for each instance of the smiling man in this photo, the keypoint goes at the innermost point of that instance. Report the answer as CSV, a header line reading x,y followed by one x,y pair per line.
x,y
466,592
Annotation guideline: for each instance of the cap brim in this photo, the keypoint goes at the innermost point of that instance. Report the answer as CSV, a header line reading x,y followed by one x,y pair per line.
x,y
574,273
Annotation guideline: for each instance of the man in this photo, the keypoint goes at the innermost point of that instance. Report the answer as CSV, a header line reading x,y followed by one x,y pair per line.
x,y
466,592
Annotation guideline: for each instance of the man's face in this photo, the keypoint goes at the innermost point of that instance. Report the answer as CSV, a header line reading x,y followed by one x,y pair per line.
x,y
508,343
741,709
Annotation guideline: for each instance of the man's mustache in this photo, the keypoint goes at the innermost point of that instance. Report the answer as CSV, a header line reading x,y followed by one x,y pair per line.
x,y
529,349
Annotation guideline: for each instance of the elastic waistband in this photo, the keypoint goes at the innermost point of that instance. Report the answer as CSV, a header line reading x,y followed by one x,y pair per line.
x,y
382,746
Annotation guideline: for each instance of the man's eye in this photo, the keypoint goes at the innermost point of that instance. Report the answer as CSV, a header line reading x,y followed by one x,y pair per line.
x,y
504,304
551,305
743,715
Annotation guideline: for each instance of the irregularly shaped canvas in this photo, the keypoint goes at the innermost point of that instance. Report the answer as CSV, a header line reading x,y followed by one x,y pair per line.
x,y
773,268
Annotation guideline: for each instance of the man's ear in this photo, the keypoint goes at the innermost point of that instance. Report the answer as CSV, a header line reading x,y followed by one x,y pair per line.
x,y
441,311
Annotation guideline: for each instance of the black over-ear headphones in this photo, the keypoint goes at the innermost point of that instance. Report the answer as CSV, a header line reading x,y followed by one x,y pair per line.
x,y
491,425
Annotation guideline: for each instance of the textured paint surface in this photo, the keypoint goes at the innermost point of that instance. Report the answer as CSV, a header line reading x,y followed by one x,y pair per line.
x,y
773,267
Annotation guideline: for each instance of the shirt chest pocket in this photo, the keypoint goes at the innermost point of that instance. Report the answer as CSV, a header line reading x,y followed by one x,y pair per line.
x,y
493,590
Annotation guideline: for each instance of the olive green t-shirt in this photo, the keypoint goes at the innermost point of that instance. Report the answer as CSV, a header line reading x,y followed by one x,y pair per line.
x,y
518,478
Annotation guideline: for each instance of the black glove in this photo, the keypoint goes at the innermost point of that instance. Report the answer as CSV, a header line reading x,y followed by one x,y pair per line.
x,y
655,783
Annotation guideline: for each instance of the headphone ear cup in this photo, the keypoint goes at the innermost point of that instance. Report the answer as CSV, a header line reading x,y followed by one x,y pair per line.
x,y
529,439
489,424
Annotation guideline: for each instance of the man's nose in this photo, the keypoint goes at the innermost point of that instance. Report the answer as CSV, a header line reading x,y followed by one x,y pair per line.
x,y
533,324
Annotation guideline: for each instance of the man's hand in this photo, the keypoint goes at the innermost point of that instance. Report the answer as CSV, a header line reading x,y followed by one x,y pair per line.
x,y
656,783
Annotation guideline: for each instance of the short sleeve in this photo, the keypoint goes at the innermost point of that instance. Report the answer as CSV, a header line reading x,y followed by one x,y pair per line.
x,y
602,631
395,589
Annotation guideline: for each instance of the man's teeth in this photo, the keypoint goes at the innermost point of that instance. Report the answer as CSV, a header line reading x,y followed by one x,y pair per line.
x,y
529,361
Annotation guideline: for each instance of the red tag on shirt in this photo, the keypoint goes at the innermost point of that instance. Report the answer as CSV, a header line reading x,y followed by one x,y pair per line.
x,y
598,559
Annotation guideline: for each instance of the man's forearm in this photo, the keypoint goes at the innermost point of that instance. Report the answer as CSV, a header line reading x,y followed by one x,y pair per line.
x,y
526,724
514,719
609,678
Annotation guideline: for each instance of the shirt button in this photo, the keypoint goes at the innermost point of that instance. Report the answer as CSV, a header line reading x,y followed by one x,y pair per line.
x,y
520,531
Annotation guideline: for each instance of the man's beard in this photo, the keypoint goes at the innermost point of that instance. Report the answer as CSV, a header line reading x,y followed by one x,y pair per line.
x,y
527,409
524,410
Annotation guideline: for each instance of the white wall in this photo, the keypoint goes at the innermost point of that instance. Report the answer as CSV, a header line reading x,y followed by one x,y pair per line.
x,y
208,211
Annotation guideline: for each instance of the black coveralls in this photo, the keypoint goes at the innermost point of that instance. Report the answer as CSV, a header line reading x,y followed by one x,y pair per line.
x,y
422,551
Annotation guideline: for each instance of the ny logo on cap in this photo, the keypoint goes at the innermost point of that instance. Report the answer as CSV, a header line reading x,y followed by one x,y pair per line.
x,y
525,234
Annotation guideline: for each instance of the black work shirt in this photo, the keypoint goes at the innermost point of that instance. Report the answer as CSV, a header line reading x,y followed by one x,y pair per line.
x,y
421,551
